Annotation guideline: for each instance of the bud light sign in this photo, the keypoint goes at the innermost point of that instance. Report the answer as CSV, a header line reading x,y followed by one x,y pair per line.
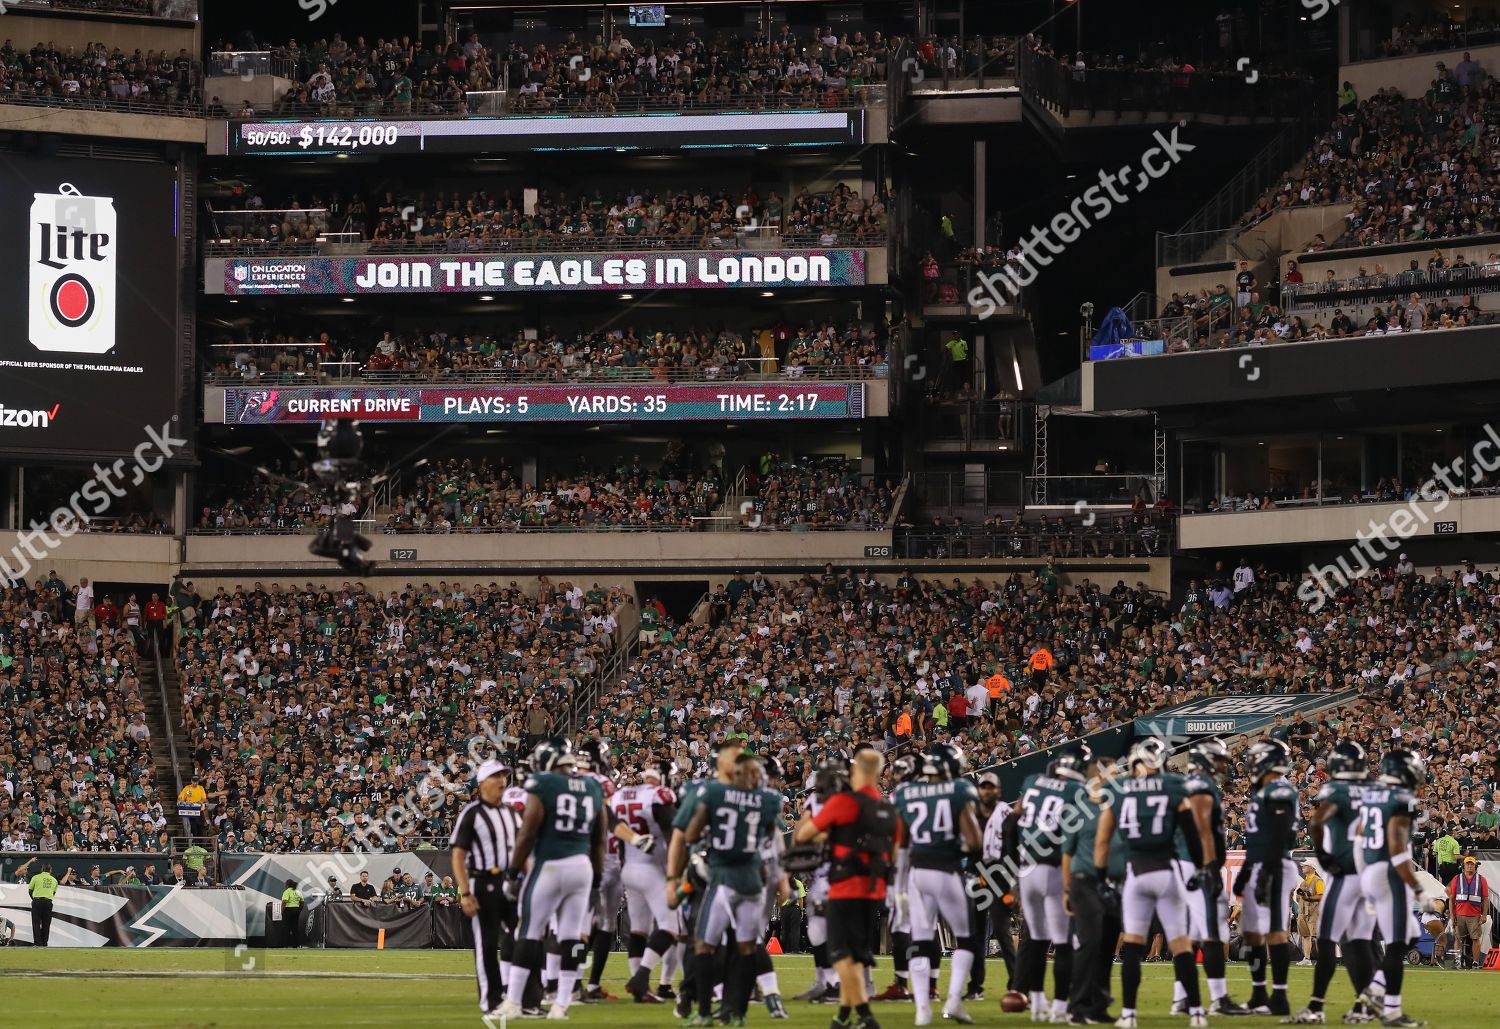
x,y
73,246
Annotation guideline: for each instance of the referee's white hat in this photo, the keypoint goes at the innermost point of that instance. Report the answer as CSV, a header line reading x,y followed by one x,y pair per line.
x,y
489,768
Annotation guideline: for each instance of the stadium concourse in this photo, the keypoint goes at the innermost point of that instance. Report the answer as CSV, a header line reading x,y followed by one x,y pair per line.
x,y
800,669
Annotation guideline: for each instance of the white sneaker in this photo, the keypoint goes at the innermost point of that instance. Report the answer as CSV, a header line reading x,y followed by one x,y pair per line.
x,y
1198,1021
1305,963
506,1009
1061,1017
1041,1015
557,1013
924,1017
1179,1007
1125,1022
957,1013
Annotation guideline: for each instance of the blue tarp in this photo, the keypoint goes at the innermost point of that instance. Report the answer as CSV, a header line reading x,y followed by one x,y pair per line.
x,y
1113,328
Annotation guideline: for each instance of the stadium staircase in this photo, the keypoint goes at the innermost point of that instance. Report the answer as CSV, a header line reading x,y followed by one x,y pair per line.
x,y
171,751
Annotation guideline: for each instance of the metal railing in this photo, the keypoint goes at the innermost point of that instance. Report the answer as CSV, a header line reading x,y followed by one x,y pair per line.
x,y
1065,491
1175,334
1363,289
189,108
1032,542
1056,84
166,711
971,422
249,64
343,375
961,494
763,238
1209,234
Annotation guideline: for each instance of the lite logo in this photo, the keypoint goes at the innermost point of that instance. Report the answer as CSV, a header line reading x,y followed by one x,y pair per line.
x,y
73,257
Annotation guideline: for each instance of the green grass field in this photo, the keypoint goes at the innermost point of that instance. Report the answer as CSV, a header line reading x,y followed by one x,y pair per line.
x,y
325,989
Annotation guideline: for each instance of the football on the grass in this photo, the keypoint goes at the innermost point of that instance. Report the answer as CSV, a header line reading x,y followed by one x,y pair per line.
x,y
1013,1002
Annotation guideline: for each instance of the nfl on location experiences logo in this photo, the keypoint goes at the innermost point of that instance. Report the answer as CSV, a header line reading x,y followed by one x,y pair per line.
x,y
73,254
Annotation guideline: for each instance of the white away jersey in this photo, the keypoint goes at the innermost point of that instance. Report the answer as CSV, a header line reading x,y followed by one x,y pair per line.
x,y
636,807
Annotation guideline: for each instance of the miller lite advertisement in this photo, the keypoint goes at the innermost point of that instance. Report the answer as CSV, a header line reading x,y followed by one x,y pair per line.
x,y
73,272
89,284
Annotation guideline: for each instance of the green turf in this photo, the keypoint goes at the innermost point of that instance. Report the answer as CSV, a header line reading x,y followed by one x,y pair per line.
x,y
161,989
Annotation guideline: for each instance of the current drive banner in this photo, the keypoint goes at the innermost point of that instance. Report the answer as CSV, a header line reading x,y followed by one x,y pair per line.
x,y
532,272
759,401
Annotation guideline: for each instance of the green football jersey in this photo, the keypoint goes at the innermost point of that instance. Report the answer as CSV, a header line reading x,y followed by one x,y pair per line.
x,y
1341,830
688,803
1196,784
1276,793
570,806
930,813
738,823
1378,804
1043,800
1146,812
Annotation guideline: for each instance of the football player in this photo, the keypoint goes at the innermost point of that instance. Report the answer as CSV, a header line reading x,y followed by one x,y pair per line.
x,y
939,828
1345,919
1269,875
1150,806
1387,809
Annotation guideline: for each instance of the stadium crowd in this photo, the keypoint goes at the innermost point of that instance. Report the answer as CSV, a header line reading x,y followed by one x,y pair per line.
x,y
76,768
680,492
1211,320
478,220
311,706
781,69
45,73
709,351
1411,168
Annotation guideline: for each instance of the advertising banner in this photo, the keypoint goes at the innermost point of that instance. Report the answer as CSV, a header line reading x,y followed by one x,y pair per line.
x,y
263,876
533,272
1128,348
512,133
661,402
88,258
359,926
1229,716
134,916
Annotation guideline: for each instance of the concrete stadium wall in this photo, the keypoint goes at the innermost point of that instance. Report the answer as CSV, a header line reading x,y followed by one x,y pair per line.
x,y
1336,524
100,556
105,124
1413,75
128,34
709,558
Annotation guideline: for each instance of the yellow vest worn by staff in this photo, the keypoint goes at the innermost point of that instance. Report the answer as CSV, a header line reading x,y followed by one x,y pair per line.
x,y
43,886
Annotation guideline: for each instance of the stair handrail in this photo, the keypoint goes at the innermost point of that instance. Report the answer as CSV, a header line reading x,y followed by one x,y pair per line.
x,y
166,715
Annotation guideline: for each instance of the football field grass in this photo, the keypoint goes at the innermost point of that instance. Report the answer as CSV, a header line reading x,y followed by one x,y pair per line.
x,y
326,989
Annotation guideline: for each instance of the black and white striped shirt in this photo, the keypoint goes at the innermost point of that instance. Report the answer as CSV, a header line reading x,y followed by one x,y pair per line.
x,y
488,834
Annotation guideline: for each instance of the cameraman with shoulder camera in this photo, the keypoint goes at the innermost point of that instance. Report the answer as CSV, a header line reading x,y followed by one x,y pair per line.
x,y
860,826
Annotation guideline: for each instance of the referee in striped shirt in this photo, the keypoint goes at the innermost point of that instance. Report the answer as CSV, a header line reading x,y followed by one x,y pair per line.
x,y
483,838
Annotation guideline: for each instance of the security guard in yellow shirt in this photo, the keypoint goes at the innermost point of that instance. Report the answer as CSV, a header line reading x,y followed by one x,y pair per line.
x,y
291,903
43,888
